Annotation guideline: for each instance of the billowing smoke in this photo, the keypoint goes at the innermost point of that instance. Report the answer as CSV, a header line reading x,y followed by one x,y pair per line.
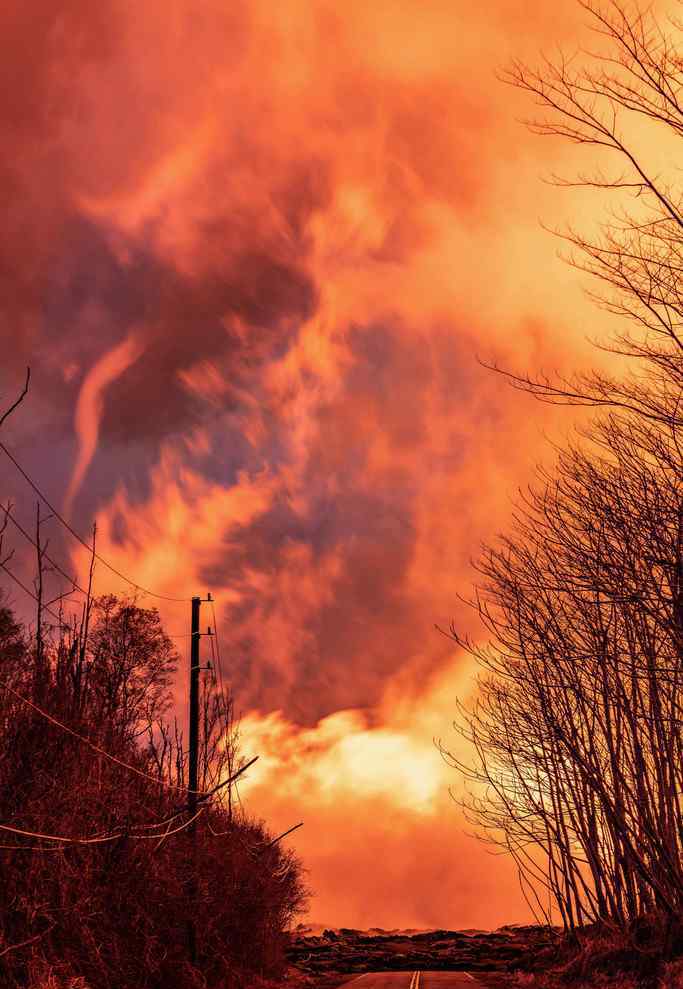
x,y
251,253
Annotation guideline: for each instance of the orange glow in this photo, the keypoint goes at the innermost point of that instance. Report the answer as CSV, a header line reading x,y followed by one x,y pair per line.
x,y
303,222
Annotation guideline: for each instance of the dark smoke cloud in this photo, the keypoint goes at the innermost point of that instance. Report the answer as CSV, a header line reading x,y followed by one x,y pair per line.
x,y
292,227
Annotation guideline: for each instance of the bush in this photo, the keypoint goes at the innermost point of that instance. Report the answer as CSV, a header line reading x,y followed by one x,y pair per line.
x,y
113,911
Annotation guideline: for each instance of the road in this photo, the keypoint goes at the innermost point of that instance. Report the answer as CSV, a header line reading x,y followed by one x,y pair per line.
x,y
413,980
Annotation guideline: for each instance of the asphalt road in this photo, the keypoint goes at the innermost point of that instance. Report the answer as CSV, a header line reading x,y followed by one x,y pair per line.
x,y
413,980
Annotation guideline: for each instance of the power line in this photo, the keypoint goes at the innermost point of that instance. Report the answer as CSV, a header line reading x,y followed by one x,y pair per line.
x,y
222,690
201,794
28,591
46,607
93,745
96,839
76,585
25,534
79,538
213,661
219,664
222,708
96,748
72,581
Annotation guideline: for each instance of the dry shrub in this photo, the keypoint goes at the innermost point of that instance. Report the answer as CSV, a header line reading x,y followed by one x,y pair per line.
x,y
672,975
577,730
609,954
601,957
114,914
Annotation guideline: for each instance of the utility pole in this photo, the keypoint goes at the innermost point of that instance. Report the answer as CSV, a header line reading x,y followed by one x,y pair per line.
x,y
193,771
194,708
193,774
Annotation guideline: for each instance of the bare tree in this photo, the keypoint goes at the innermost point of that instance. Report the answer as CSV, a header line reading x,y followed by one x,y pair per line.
x,y
578,766
94,854
577,728
621,101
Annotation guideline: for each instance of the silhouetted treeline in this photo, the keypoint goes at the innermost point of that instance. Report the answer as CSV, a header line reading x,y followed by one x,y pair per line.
x,y
99,874
578,729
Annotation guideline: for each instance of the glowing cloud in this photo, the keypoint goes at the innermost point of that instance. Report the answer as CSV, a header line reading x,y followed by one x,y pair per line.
x,y
257,248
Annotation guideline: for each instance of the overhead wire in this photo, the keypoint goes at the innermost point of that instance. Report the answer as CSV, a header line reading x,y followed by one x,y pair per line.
x,y
27,536
213,662
217,672
97,839
219,664
86,741
66,841
79,538
105,837
201,794
223,714
76,585
53,720
94,746
28,591
160,824
222,689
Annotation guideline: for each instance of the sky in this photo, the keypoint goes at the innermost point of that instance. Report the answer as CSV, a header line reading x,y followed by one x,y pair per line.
x,y
253,254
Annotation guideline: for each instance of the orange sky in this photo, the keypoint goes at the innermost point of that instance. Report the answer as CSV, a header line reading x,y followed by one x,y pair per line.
x,y
252,253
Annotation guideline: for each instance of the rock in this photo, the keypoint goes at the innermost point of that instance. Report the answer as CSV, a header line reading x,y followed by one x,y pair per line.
x,y
351,951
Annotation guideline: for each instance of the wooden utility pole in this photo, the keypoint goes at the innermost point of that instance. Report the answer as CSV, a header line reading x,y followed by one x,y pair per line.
x,y
194,708
193,774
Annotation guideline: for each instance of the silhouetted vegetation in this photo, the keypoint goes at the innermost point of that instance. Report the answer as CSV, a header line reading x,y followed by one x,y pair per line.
x,y
578,728
100,873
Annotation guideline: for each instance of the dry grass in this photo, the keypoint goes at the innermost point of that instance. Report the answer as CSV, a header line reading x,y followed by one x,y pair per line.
x,y
610,960
672,976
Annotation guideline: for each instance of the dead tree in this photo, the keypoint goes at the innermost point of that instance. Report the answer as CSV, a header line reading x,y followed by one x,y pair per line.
x,y
577,728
